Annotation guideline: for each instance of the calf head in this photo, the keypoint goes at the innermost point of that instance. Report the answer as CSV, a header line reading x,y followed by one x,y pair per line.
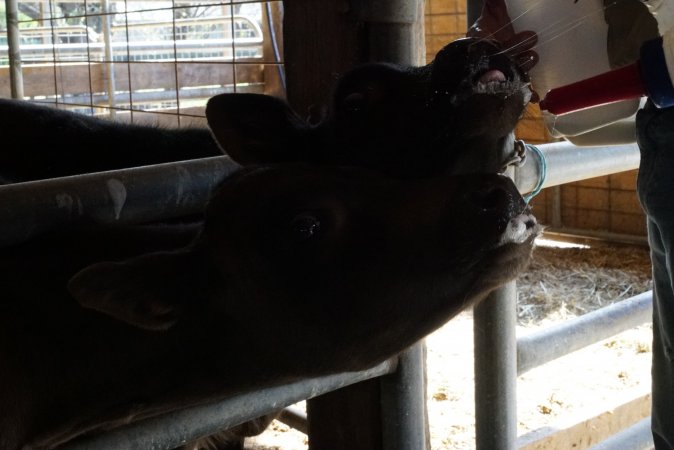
x,y
334,268
455,115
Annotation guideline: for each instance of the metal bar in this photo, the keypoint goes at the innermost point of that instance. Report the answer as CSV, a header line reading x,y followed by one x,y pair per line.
x,y
14,48
135,195
172,430
473,10
558,340
403,399
396,34
599,235
556,205
396,30
110,65
567,163
495,350
295,418
494,322
121,97
495,342
174,189
636,437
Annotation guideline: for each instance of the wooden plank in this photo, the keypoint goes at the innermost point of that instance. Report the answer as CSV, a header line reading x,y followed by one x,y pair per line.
x,y
346,419
322,40
594,428
77,78
272,12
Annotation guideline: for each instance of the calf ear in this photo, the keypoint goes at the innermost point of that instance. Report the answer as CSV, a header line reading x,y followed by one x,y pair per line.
x,y
255,128
143,291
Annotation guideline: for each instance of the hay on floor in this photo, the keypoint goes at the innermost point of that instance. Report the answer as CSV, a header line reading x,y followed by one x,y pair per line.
x,y
568,282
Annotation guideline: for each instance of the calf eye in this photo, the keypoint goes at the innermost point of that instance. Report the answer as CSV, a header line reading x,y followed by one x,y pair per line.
x,y
305,226
354,102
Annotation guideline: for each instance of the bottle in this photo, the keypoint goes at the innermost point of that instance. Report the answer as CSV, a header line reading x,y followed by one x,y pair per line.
x,y
650,76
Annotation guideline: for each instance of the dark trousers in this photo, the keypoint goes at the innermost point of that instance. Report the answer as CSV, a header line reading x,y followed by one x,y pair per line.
x,y
655,185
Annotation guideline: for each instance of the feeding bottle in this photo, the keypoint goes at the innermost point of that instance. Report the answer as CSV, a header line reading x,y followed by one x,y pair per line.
x,y
650,76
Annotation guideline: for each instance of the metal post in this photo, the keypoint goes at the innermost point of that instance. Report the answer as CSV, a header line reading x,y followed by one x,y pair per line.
x,y
396,30
174,429
473,10
14,48
109,64
403,399
567,163
494,321
556,204
397,35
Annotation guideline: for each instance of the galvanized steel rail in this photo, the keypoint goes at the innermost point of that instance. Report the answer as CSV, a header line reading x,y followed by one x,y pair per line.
x,y
126,196
543,346
175,429
495,383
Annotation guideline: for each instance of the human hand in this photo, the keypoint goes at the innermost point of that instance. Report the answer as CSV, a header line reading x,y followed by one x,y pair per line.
x,y
494,23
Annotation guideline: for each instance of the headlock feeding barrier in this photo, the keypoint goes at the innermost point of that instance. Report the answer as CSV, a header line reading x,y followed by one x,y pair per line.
x,y
171,190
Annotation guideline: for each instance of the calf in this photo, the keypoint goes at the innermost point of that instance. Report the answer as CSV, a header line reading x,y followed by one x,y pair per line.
x,y
298,271
40,142
454,115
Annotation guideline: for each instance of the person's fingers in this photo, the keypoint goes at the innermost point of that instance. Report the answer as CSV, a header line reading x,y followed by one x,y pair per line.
x,y
493,22
522,41
497,20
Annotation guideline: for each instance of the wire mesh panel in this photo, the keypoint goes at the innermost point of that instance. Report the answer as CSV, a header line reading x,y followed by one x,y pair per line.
x,y
144,60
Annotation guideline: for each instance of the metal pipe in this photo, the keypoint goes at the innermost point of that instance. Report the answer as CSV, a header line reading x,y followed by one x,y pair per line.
x,y
494,327
14,48
396,30
396,34
110,66
567,163
636,437
177,428
558,340
134,195
295,418
473,10
494,322
633,239
556,206
403,400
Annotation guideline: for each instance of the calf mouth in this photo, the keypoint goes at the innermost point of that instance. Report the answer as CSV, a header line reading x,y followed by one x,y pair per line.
x,y
497,74
487,70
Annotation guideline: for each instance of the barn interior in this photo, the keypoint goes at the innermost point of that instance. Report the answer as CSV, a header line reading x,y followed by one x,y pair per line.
x,y
158,62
